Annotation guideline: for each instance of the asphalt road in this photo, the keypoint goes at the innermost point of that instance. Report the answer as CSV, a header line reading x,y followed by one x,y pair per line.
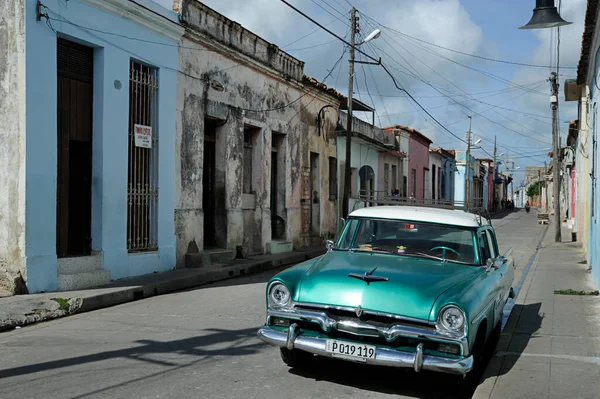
x,y
202,344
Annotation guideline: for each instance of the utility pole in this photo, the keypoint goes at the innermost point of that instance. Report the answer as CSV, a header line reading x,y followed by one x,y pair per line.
x,y
556,156
494,179
468,166
512,183
347,181
540,188
545,183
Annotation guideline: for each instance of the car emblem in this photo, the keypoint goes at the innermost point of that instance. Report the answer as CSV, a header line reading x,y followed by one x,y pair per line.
x,y
368,276
359,311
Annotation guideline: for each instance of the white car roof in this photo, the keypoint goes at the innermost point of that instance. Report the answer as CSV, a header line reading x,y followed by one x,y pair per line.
x,y
454,217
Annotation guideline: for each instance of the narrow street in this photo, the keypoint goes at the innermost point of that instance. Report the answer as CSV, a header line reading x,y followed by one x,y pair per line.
x,y
202,343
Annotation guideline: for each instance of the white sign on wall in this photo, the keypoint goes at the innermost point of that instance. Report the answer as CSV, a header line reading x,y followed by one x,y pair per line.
x,y
142,136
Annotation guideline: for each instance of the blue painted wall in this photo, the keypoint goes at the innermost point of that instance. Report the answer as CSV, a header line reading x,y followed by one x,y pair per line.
x,y
110,128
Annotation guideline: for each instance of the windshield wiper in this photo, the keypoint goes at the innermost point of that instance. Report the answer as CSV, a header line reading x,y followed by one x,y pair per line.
x,y
424,255
375,250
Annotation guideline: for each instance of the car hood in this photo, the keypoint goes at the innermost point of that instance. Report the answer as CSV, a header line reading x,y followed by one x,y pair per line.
x,y
411,289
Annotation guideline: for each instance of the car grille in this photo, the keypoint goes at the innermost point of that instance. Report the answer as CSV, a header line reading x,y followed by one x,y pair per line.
x,y
373,319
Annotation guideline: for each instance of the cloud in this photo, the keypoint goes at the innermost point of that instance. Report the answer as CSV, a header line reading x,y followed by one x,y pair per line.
x,y
417,66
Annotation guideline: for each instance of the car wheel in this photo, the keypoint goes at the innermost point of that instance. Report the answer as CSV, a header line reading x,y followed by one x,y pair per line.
x,y
295,357
468,383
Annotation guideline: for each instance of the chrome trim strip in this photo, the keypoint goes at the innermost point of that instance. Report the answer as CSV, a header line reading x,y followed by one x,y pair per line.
x,y
383,356
353,310
419,358
364,329
291,336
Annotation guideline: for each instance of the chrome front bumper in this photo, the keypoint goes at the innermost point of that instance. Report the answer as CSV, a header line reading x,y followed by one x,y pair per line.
x,y
293,339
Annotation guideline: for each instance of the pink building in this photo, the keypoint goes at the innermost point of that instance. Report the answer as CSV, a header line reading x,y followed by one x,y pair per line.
x,y
419,175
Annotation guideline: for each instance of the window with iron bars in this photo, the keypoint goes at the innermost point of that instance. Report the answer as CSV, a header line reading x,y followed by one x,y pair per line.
x,y
142,185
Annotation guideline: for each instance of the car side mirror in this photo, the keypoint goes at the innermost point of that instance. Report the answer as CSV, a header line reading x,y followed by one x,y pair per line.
x,y
329,244
490,264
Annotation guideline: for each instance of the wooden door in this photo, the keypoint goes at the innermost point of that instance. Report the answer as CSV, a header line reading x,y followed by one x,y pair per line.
x,y
74,134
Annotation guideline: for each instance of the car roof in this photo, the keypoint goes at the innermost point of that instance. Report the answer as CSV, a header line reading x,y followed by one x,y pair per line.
x,y
454,217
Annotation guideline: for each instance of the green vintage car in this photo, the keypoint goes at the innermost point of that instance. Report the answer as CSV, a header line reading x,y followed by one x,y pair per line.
x,y
402,286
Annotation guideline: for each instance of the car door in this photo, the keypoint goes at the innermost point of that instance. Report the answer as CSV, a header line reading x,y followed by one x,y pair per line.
x,y
505,269
493,276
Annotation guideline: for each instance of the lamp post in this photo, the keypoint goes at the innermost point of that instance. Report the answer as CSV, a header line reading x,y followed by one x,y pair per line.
x,y
545,15
373,35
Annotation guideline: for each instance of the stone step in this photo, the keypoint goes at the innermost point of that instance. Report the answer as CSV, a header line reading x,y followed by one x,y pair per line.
x,y
209,257
83,280
277,247
79,264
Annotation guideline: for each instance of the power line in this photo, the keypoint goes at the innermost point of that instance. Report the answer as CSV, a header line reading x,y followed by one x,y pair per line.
x,y
462,105
378,61
464,53
91,31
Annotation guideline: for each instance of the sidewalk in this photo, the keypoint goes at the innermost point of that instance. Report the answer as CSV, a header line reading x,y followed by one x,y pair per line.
x,y
550,346
20,310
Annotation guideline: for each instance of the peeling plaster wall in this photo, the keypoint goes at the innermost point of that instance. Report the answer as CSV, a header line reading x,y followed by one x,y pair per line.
x,y
233,76
324,144
12,137
391,160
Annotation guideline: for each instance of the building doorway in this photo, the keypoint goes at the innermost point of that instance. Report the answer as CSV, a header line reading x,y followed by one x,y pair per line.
x,y
277,186
75,78
208,183
315,195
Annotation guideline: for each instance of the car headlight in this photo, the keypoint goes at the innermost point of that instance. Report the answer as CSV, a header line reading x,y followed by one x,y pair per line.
x,y
279,295
452,319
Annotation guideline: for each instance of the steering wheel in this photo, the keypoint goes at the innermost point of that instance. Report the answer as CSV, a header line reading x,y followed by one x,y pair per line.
x,y
444,249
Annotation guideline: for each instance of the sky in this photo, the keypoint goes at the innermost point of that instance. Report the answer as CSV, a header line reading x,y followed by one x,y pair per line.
x,y
435,50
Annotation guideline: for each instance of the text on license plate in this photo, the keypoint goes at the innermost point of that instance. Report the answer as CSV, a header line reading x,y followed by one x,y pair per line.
x,y
350,350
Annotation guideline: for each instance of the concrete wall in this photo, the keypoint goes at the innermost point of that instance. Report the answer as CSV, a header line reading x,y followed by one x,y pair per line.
x,y
112,55
238,79
435,159
418,160
12,144
583,180
448,175
362,154
462,176
592,121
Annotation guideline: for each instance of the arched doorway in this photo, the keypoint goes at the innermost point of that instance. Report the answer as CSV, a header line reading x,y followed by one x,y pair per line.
x,y
367,182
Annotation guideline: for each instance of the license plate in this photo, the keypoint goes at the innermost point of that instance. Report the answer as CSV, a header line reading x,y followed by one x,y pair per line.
x,y
349,350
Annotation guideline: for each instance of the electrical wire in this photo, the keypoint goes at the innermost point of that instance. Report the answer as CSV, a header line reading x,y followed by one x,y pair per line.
x,y
91,31
464,106
467,54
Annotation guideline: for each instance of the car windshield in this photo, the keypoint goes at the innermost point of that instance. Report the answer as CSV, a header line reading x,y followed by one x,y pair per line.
x,y
409,238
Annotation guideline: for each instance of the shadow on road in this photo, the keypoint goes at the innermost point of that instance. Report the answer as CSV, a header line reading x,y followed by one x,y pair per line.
x,y
386,380
524,322
235,343
405,382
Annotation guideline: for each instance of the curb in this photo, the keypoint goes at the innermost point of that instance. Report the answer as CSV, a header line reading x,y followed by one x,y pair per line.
x,y
493,369
135,293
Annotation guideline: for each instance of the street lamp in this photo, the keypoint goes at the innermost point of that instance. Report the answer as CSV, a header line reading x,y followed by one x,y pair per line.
x,y
373,35
545,15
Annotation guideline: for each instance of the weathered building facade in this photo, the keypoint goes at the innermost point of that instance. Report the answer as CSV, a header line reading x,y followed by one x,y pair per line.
x,y
375,159
87,139
448,170
253,162
435,167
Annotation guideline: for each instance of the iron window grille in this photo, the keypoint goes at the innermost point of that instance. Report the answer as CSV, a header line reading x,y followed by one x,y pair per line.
x,y
142,185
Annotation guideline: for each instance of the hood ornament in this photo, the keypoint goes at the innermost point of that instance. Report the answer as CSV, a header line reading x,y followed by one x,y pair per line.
x,y
368,276
358,311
